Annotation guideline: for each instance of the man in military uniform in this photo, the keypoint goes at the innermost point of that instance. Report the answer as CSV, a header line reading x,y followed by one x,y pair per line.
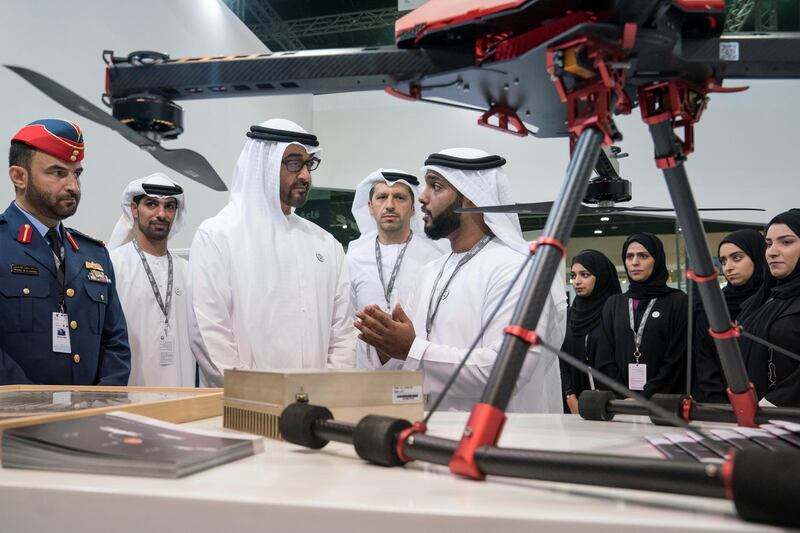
x,y
61,322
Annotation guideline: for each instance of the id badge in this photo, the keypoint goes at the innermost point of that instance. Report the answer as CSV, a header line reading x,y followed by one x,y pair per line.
x,y
166,349
637,376
61,342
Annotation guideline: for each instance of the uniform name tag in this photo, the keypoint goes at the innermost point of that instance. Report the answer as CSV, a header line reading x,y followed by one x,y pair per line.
x,y
166,349
61,342
28,270
637,376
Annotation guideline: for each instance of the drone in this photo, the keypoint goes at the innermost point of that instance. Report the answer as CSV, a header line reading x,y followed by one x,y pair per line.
x,y
539,68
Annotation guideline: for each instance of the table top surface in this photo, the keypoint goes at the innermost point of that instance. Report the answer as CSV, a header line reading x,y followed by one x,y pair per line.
x,y
293,485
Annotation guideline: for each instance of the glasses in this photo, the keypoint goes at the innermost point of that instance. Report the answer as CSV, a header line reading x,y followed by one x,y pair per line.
x,y
294,165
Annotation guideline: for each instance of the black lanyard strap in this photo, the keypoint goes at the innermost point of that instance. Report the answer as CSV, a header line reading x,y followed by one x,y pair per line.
x,y
433,309
164,307
387,289
638,334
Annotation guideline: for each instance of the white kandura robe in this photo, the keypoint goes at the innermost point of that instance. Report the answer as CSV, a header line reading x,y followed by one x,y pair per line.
x,y
472,296
366,286
297,314
146,320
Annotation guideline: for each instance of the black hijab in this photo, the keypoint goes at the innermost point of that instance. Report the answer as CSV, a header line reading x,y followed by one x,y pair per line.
x,y
772,287
585,312
762,309
656,284
751,243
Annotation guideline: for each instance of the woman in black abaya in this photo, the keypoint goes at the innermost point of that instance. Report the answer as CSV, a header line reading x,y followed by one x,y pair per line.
x,y
741,255
658,312
773,314
594,279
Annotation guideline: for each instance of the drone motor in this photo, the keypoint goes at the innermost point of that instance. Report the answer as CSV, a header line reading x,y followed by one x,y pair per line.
x,y
151,115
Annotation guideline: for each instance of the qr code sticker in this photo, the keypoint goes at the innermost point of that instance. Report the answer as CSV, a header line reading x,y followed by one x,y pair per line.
x,y
729,51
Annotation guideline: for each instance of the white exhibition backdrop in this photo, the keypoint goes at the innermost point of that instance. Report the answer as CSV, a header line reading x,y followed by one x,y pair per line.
x,y
745,142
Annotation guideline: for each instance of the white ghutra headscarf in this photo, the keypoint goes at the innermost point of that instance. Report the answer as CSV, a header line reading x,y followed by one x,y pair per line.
x,y
366,222
479,177
157,185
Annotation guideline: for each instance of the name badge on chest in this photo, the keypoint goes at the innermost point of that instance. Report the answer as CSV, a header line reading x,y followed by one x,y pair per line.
x,y
637,376
61,342
166,349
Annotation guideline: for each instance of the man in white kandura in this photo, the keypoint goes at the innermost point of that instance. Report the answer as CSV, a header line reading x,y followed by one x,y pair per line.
x,y
151,283
268,289
456,294
392,236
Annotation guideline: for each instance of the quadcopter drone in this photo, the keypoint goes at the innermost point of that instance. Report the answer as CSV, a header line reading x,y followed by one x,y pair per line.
x,y
540,68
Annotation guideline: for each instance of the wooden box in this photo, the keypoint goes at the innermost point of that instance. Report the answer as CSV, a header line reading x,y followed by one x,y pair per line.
x,y
254,399
23,405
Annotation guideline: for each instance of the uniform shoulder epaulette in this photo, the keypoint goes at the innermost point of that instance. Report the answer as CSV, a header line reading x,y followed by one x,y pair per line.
x,y
84,236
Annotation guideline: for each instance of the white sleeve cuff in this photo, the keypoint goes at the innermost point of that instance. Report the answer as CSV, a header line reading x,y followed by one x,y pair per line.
x,y
416,353
391,364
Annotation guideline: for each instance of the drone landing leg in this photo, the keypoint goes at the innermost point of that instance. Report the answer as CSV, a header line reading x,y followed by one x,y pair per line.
x,y
669,158
487,417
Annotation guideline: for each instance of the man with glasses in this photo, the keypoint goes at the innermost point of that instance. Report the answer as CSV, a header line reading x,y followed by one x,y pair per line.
x,y
267,288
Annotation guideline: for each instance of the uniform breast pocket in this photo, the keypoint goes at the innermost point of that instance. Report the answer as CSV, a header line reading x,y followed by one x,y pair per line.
x,y
26,304
96,305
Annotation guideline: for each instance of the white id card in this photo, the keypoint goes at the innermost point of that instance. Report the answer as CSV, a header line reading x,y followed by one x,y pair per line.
x,y
637,376
61,333
166,349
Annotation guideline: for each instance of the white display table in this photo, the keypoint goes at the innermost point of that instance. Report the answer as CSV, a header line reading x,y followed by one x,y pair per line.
x,y
288,488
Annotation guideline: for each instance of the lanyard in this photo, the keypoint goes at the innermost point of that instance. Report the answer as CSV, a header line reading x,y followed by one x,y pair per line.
x,y
154,285
387,290
637,335
434,309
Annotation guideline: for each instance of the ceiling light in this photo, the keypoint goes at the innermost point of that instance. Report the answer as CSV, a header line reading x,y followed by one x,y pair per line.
x,y
598,232
604,219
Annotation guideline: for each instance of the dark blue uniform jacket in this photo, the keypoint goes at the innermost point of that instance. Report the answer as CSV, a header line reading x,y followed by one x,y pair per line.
x,y
30,294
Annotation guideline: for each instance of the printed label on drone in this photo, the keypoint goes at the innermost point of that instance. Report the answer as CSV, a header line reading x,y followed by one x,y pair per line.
x,y
407,394
729,51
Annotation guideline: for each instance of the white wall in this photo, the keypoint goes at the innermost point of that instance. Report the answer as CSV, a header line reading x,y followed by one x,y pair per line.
x,y
64,41
745,141
745,148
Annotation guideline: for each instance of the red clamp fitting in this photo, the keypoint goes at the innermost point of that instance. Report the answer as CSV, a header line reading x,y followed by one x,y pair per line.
x,y
694,276
731,333
414,93
416,427
507,121
483,429
727,474
531,337
548,241
668,161
686,408
745,406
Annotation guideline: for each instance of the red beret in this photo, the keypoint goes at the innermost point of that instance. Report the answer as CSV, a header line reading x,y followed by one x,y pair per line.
x,y
59,138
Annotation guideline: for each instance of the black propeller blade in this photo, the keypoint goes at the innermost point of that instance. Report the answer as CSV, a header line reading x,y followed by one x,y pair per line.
x,y
543,208
187,162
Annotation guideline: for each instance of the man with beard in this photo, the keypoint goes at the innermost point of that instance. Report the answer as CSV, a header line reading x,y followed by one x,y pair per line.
x,y
152,283
61,322
267,288
460,293
384,261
